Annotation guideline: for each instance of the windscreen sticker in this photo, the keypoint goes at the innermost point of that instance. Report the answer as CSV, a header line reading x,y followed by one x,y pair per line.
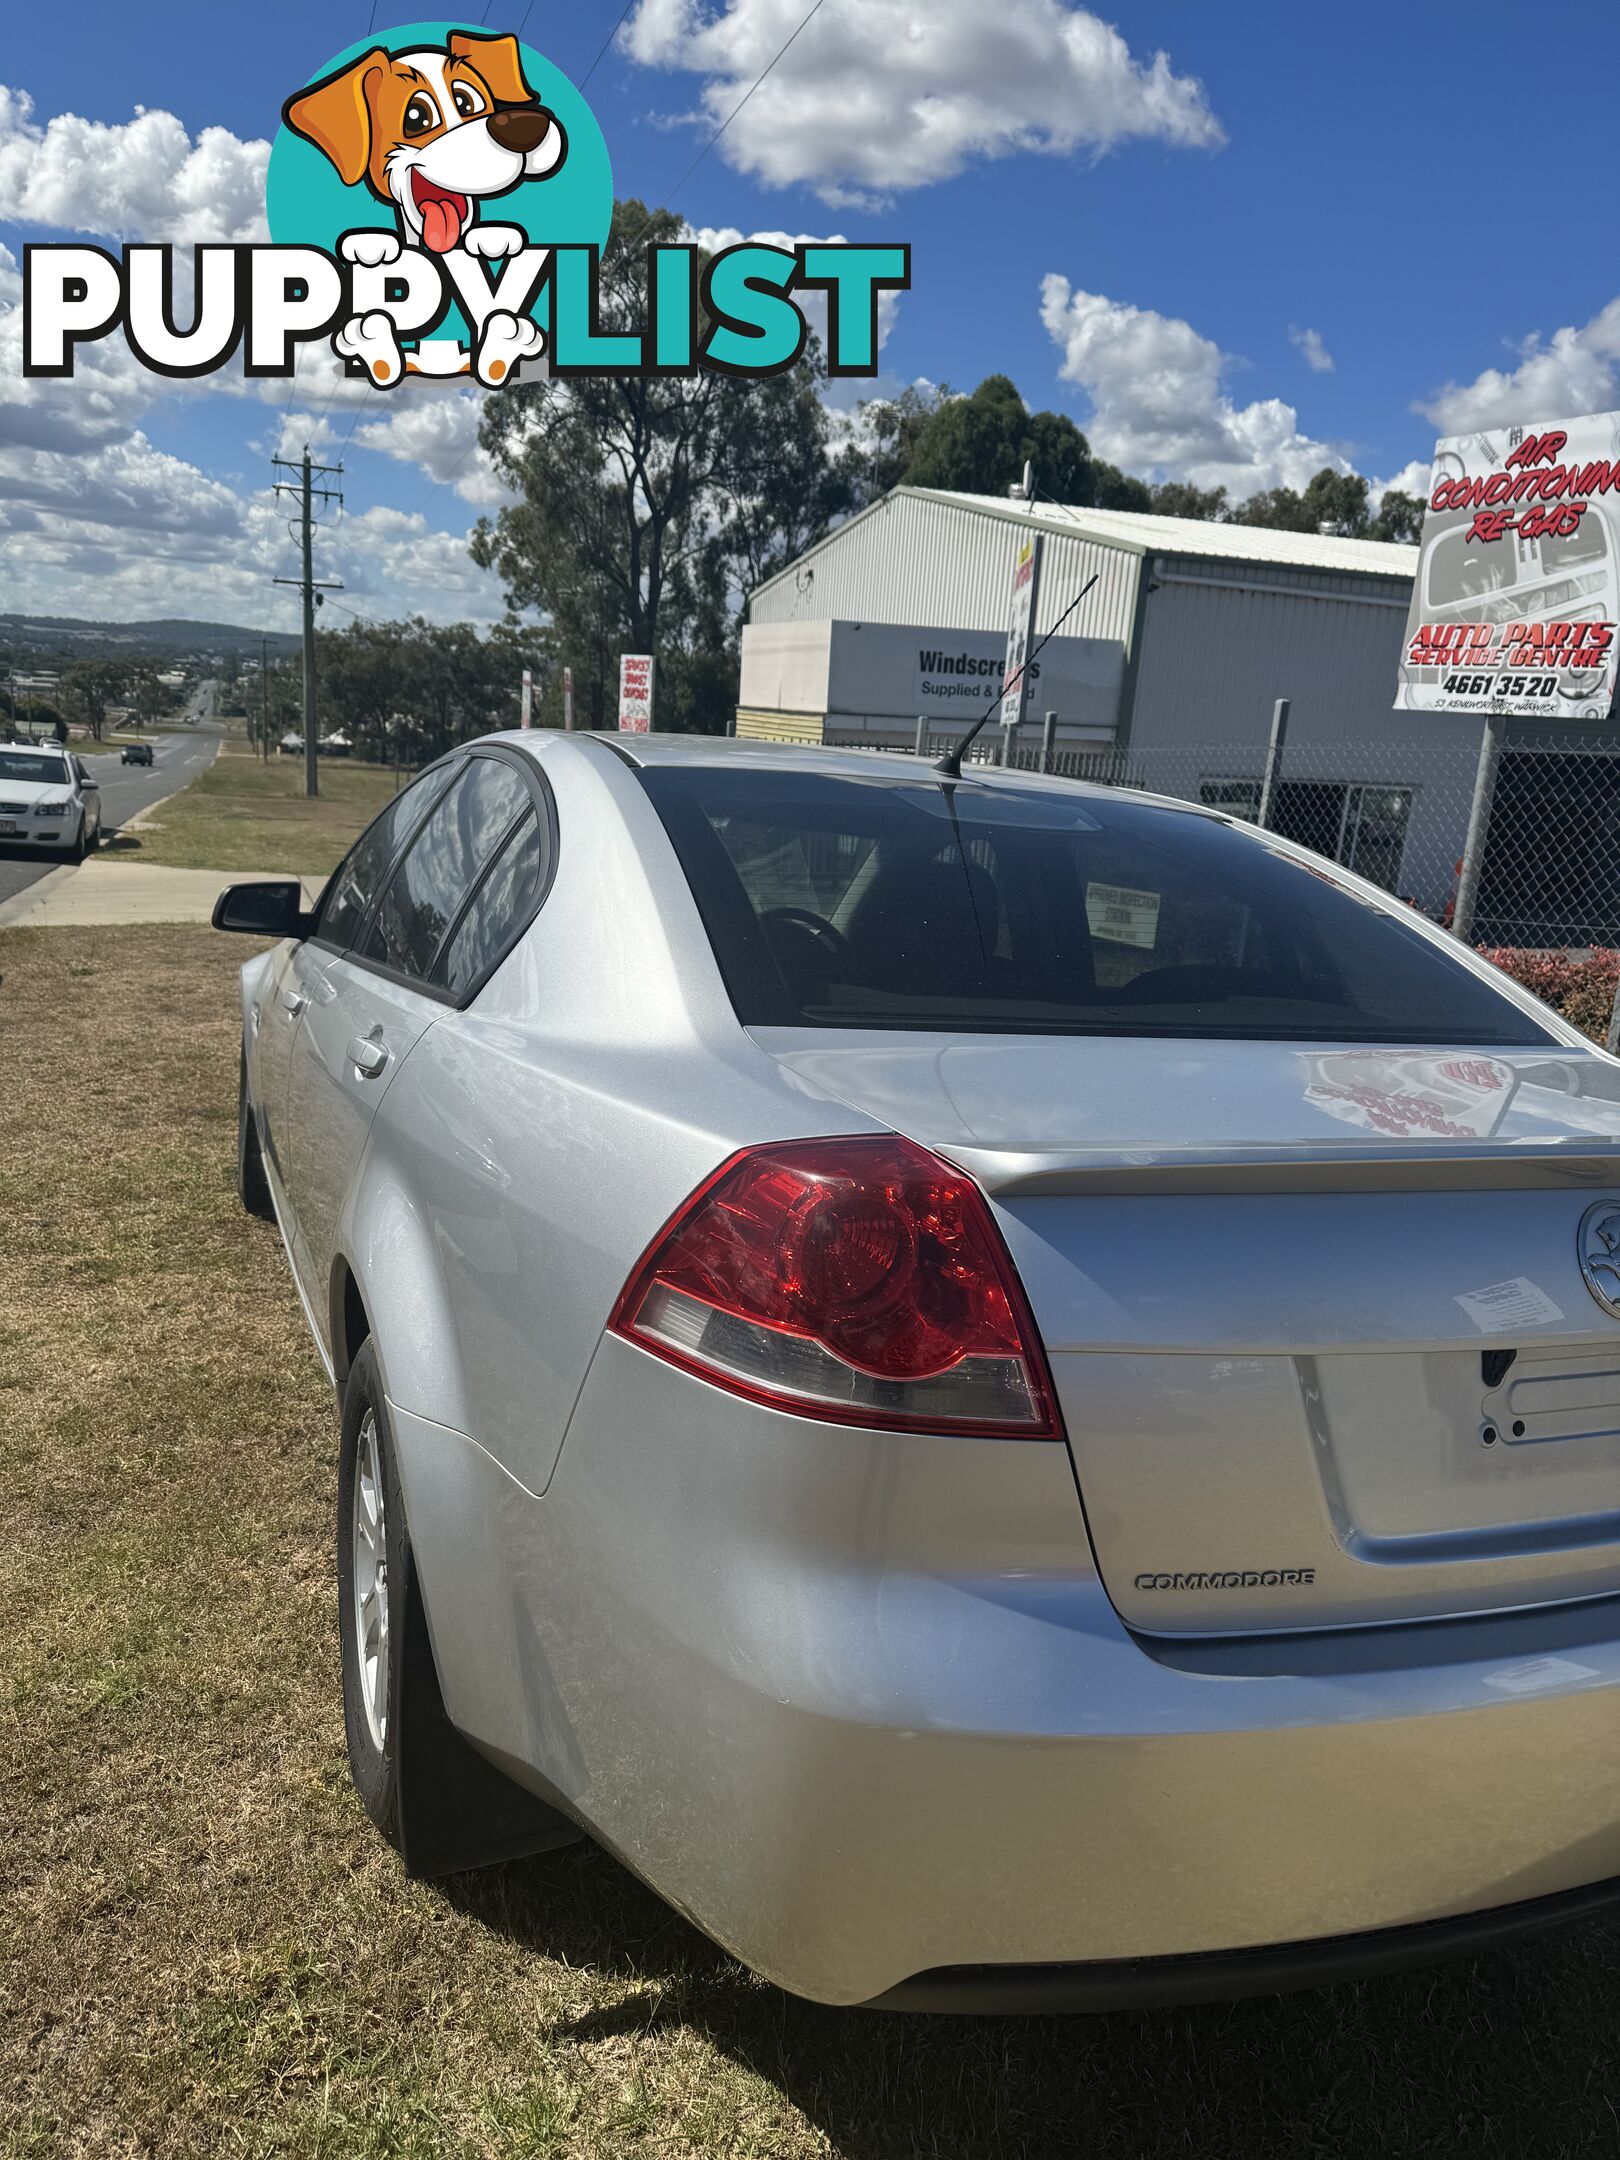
x,y
1123,917
1517,1303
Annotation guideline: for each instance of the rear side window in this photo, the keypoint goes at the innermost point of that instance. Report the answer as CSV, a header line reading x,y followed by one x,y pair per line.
x,y
835,901
497,911
437,873
347,900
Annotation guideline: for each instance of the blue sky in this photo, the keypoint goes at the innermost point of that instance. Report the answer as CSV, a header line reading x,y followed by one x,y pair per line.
x,y
1305,232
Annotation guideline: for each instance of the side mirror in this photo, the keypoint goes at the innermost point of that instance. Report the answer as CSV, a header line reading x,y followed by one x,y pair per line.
x,y
90,787
273,908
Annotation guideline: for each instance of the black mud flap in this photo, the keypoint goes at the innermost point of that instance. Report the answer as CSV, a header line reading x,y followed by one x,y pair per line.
x,y
456,1810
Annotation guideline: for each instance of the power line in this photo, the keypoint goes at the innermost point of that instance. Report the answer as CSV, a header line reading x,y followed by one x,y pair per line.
x,y
606,42
361,407
452,475
780,52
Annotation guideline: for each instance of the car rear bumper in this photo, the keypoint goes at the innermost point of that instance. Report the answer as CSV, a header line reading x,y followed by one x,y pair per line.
x,y
858,1704
1229,1975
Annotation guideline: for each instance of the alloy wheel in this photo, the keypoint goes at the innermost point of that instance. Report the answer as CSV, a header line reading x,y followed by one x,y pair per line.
x,y
369,1552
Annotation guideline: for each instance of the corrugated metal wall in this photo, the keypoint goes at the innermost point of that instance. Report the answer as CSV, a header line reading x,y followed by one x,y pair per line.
x,y
1217,651
1217,654
937,565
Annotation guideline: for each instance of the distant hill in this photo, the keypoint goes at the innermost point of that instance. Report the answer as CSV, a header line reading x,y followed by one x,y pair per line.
x,y
170,638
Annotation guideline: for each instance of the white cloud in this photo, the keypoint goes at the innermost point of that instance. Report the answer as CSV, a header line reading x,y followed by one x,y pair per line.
x,y
1412,479
127,486
124,529
882,95
143,179
814,304
1563,377
1317,357
128,531
394,563
439,436
1158,405
849,409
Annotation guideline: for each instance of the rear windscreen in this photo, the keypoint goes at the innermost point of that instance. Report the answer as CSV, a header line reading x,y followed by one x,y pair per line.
x,y
847,902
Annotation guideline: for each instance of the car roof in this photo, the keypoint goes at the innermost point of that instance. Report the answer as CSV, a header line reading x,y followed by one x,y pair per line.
x,y
729,753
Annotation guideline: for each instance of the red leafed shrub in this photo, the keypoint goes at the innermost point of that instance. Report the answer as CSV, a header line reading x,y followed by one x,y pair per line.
x,y
1579,991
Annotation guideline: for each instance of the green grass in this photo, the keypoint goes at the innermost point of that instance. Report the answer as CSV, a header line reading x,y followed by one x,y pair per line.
x,y
244,814
204,1949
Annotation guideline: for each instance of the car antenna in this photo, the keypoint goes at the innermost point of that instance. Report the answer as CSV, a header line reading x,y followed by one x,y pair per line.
x,y
950,762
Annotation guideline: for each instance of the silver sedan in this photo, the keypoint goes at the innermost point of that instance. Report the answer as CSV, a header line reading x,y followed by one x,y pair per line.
x,y
1011,1391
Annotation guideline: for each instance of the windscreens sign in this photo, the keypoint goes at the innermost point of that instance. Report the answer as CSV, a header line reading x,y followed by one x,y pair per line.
x,y
1517,594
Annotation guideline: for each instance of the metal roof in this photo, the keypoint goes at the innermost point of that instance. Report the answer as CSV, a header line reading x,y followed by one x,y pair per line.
x,y
1143,533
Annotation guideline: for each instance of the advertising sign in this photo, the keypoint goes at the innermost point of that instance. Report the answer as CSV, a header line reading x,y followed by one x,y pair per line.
x,y
637,672
1020,630
952,674
1517,594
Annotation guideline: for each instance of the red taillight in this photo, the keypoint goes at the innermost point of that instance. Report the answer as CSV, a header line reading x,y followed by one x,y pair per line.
x,y
861,1280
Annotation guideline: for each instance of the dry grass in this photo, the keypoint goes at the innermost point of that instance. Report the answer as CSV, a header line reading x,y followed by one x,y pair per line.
x,y
204,1950
244,814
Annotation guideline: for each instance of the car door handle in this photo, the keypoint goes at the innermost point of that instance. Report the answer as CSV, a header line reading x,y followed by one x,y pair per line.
x,y
292,1004
368,1057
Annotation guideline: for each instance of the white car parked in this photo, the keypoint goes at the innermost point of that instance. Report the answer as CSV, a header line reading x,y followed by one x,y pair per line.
x,y
48,800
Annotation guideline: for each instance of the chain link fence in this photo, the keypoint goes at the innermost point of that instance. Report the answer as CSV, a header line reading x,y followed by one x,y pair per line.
x,y
1543,869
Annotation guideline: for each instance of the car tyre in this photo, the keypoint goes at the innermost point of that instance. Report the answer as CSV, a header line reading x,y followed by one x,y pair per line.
x,y
252,1186
373,1567
79,849
436,1800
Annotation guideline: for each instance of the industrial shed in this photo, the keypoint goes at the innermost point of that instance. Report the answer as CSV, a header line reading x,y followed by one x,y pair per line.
x,y
1193,629
1166,678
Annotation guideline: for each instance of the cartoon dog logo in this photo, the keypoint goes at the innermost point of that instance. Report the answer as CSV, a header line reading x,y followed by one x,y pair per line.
x,y
434,132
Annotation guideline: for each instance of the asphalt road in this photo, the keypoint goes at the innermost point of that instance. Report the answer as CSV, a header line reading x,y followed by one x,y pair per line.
x,y
125,789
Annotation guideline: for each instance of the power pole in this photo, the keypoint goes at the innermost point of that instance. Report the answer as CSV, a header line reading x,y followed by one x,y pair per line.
x,y
310,586
264,699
